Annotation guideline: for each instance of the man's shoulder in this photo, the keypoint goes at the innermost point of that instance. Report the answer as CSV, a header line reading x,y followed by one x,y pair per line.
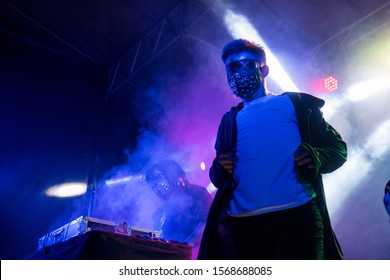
x,y
233,110
308,99
197,190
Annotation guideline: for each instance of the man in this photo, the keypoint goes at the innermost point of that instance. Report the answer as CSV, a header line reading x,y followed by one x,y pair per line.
x,y
184,206
270,153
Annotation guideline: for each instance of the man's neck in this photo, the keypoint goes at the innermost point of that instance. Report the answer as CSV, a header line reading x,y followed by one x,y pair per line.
x,y
259,94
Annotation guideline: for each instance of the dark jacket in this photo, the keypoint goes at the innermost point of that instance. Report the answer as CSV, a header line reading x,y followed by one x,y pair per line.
x,y
319,138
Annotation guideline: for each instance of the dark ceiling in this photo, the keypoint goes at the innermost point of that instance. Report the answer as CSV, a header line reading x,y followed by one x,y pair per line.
x,y
126,36
112,72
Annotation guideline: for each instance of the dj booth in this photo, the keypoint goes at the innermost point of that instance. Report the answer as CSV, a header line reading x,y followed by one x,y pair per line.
x,y
94,241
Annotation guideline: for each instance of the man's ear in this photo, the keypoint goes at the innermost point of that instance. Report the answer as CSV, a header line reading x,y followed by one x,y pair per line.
x,y
264,71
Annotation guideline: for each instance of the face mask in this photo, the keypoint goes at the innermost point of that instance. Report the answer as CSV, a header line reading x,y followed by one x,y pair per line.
x,y
244,77
165,186
161,185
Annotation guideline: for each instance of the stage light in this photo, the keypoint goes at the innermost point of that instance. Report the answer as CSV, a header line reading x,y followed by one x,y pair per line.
x,y
70,189
203,166
211,188
331,84
126,179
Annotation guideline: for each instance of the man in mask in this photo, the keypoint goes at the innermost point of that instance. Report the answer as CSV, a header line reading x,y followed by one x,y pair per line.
x,y
184,206
270,153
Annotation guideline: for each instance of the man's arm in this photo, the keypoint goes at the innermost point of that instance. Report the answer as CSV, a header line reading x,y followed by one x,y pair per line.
x,y
326,153
224,163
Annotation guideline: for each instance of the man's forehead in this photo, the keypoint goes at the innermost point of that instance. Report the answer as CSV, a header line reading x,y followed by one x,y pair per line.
x,y
242,55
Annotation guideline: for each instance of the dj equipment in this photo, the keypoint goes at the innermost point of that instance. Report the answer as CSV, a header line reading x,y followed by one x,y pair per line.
x,y
85,224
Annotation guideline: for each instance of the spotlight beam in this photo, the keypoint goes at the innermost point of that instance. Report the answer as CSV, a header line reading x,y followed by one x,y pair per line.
x,y
239,27
361,161
363,90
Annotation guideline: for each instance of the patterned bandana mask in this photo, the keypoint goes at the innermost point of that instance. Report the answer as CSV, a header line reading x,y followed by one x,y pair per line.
x,y
244,78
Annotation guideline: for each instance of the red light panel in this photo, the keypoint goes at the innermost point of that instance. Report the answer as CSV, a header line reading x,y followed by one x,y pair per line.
x,y
331,84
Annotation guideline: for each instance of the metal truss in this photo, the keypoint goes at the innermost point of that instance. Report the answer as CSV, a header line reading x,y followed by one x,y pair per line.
x,y
185,14
360,30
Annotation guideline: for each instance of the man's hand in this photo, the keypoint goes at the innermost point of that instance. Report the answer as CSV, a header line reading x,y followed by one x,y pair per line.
x,y
303,158
227,160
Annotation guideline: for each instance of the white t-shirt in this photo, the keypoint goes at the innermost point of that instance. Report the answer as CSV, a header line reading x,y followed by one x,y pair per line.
x,y
267,137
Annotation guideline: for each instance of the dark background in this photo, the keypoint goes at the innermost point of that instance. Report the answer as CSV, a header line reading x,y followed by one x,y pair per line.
x,y
99,90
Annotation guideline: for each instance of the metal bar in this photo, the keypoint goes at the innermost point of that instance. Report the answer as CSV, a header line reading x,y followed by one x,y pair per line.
x,y
145,63
135,57
159,35
112,79
133,70
346,29
35,43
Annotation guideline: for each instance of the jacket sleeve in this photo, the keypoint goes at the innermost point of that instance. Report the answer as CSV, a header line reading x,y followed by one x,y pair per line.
x,y
218,175
327,148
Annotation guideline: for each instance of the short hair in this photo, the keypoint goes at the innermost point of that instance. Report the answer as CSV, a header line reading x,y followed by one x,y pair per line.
x,y
240,45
